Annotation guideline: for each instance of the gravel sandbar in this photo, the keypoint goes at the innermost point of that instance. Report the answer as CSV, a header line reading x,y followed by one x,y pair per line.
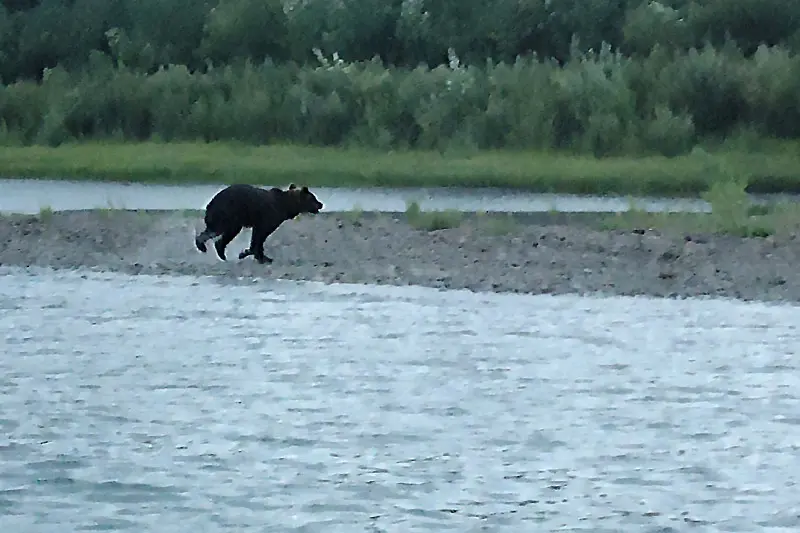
x,y
536,254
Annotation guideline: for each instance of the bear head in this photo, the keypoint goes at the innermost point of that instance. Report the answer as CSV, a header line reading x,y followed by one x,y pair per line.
x,y
303,200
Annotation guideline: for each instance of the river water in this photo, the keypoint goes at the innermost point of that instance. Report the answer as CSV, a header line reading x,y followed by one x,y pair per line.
x,y
31,195
191,404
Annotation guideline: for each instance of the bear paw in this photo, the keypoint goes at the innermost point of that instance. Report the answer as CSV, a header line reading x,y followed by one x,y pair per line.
x,y
220,252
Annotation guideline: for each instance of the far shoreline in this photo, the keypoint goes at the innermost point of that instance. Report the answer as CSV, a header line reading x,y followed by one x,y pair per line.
x,y
686,176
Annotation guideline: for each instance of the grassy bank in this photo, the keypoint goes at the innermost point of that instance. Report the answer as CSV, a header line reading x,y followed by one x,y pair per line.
x,y
776,169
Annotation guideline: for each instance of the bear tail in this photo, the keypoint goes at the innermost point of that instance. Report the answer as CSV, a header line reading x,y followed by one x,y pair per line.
x,y
200,240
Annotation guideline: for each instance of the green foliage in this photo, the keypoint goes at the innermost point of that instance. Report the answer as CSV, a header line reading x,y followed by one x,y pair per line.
x,y
146,34
432,220
732,213
770,167
599,77
729,207
45,213
255,29
600,103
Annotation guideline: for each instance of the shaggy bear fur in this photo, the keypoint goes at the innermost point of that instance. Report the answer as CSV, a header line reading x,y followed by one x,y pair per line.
x,y
245,206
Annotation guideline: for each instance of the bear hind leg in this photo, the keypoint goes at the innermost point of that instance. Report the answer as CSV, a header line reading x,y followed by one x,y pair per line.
x,y
227,236
206,235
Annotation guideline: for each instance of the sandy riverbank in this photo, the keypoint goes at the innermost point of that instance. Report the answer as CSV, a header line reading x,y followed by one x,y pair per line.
x,y
538,253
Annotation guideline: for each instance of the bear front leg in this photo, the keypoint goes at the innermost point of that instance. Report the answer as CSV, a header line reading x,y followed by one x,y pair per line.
x,y
257,246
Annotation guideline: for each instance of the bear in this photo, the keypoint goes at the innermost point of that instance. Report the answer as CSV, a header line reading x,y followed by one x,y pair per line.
x,y
241,206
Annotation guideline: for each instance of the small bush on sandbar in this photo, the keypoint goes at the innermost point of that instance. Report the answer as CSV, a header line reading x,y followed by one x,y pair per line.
x,y
432,220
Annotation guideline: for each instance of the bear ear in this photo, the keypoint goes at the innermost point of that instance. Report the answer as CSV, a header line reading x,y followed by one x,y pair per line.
x,y
305,189
292,186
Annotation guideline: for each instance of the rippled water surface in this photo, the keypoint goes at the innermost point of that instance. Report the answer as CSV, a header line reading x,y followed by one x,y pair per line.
x,y
180,404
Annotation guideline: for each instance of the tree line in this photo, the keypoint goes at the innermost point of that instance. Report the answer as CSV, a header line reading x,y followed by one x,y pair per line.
x,y
592,75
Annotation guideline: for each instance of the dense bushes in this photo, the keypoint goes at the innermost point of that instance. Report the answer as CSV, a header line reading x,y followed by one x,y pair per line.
x,y
602,103
626,76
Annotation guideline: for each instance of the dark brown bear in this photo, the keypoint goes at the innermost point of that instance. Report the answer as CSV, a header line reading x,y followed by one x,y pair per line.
x,y
244,206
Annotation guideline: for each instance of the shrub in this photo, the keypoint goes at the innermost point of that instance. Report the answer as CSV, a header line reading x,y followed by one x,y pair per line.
x,y
598,103
432,220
